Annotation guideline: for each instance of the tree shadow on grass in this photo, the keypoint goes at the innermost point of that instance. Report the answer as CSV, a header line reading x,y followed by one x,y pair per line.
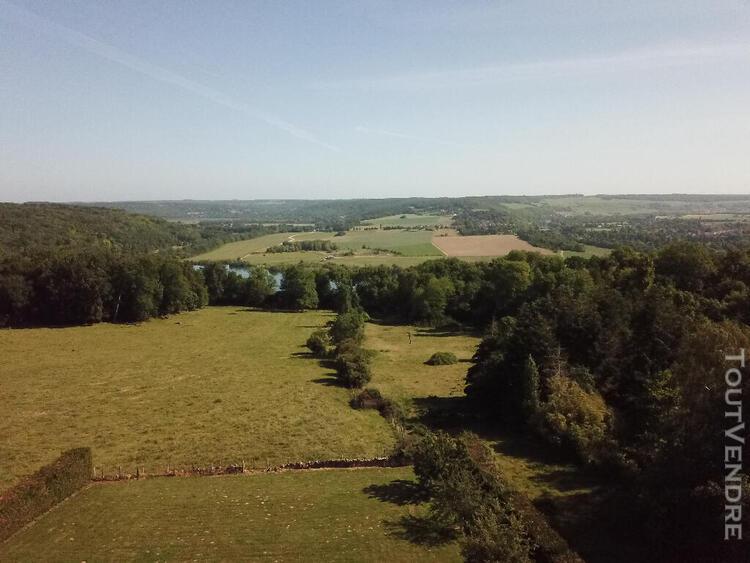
x,y
420,530
330,381
399,491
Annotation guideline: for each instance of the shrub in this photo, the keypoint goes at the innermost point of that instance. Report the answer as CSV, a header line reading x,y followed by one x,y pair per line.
x,y
41,491
318,343
442,359
353,369
349,326
369,398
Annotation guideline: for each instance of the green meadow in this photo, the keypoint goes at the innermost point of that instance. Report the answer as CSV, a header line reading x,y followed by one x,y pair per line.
x,y
328,515
219,385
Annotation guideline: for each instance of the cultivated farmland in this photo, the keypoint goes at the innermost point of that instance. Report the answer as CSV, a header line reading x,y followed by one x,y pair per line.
x,y
332,515
484,245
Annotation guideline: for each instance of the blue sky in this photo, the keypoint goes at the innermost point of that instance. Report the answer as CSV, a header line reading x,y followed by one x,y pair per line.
x,y
174,99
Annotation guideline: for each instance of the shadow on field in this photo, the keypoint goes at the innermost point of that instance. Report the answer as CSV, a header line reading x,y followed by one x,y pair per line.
x,y
399,491
420,530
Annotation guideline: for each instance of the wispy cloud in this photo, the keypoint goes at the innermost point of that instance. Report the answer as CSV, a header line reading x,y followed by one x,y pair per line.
x,y
406,136
658,57
22,16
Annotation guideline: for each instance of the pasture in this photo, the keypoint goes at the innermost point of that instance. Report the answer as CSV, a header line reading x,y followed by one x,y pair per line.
x,y
219,385
399,370
329,515
411,220
484,245
239,250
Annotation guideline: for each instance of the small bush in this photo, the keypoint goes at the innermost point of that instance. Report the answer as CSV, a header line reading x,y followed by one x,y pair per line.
x,y
442,359
349,326
41,491
353,368
318,343
369,398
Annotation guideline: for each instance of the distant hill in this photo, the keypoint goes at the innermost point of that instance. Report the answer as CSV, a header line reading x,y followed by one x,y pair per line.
x,y
33,227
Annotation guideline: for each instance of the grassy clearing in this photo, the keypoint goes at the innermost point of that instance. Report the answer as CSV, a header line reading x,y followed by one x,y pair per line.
x,y
240,249
399,369
337,515
217,385
411,220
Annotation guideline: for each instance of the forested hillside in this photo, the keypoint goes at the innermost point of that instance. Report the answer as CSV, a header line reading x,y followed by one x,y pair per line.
x,y
45,227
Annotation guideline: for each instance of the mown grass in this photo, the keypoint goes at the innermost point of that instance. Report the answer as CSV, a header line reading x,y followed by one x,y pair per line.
x,y
332,515
411,220
220,385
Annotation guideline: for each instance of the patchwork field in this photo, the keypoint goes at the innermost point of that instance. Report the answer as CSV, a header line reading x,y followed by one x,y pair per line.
x,y
409,248
484,245
336,515
240,249
411,220
219,385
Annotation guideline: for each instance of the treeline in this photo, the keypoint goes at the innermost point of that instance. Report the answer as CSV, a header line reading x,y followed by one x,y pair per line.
x,y
472,502
305,245
71,288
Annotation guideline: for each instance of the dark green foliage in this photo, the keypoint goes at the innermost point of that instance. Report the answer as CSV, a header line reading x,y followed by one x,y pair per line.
x,y
90,287
304,246
353,366
348,326
442,359
318,343
41,491
496,523
30,228
298,289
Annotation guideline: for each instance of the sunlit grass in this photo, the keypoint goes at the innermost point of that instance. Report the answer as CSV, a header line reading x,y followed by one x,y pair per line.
x,y
335,515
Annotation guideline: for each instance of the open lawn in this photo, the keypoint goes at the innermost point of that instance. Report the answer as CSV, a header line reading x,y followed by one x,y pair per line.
x,y
219,385
484,245
399,370
331,515
411,220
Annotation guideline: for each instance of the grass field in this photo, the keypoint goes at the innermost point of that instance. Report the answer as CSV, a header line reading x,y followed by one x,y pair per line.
x,y
407,243
213,386
399,370
240,249
484,245
283,258
333,515
411,220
